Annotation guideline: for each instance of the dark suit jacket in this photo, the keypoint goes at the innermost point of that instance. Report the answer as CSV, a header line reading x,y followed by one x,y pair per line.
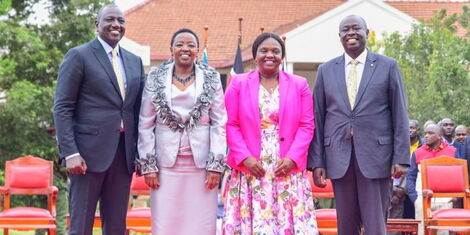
x,y
88,107
379,119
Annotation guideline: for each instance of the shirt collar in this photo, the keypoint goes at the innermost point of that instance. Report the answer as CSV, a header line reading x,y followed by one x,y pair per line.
x,y
107,47
361,58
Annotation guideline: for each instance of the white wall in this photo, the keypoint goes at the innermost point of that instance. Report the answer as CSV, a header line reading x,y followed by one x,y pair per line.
x,y
317,40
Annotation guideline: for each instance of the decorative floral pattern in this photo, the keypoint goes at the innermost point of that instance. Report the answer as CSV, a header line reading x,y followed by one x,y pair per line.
x,y
214,163
146,165
156,87
269,205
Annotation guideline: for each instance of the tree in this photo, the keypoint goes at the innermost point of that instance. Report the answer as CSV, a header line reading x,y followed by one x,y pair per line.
x,y
435,64
30,55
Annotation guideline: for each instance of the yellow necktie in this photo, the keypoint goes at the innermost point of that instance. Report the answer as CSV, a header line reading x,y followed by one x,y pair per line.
x,y
117,71
352,82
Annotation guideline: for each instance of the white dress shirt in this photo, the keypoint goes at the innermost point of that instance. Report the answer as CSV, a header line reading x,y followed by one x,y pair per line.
x,y
359,67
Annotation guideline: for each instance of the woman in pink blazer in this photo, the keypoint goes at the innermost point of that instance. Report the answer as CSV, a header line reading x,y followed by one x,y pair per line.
x,y
269,129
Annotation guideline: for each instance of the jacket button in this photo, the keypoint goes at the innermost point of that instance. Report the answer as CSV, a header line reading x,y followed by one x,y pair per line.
x,y
282,139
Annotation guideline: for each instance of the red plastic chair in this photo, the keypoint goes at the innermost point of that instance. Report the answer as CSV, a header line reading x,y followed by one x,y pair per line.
x,y
28,176
326,218
138,219
445,177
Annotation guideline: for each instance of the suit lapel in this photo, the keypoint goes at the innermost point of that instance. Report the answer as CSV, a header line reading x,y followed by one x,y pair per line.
x,y
369,68
253,83
103,59
283,93
341,80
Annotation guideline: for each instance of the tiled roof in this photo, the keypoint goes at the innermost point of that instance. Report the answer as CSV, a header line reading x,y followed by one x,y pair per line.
x,y
153,22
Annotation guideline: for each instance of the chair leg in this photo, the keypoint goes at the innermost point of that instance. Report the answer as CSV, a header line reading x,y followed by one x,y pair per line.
x,y
51,231
5,231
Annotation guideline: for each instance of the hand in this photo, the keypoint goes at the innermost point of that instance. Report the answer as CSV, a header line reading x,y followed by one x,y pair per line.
x,y
427,193
254,166
212,179
398,170
284,166
151,179
319,177
76,165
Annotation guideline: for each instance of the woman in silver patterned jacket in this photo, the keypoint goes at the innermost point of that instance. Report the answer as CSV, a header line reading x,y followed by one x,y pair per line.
x,y
182,140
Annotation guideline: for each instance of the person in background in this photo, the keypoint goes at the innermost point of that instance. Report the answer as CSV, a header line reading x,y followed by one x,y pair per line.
x,y
448,131
434,146
461,132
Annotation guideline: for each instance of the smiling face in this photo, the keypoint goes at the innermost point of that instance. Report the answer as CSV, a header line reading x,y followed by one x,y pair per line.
x,y
269,56
184,49
353,33
111,25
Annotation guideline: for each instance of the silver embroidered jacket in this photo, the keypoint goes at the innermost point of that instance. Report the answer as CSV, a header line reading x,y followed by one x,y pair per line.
x,y
160,131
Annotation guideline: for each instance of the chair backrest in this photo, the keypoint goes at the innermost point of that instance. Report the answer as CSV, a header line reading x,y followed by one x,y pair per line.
x,y
444,175
29,175
138,186
326,192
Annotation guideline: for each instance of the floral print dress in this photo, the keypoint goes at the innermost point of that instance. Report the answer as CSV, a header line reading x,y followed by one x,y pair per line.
x,y
269,205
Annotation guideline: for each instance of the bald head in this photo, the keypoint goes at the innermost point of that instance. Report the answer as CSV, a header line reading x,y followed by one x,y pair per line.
x,y
461,133
432,135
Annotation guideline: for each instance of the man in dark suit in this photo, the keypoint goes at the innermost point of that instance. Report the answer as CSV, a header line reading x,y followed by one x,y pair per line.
x,y
96,108
362,134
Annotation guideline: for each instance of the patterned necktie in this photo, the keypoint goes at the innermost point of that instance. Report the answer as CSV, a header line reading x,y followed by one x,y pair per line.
x,y
118,73
352,82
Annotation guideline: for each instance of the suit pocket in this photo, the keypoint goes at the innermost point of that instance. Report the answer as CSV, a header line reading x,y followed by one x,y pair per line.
x,y
326,141
86,129
384,140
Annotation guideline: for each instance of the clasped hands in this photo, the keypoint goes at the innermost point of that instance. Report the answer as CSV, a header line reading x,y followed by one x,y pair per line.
x,y
212,180
284,166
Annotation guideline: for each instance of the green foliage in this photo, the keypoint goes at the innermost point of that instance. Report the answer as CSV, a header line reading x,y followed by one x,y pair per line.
x,y
434,62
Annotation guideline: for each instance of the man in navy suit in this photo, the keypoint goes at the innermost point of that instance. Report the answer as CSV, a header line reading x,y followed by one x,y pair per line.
x,y
362,135
96,108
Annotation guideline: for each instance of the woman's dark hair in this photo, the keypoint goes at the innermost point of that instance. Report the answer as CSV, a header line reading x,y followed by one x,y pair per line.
x,y
265,36
184,30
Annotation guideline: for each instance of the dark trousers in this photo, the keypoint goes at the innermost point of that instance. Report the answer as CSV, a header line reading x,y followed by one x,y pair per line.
x,y
361,202
110,187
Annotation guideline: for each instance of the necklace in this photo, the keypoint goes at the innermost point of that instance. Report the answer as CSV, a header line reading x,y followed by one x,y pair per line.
x,y
183,80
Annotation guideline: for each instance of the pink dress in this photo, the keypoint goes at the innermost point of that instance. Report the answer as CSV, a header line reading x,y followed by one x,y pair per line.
x,y
269,205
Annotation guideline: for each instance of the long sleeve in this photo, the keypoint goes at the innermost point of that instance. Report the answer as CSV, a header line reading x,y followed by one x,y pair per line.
x,y
401,139
411,179
316,153
146,140
218,143
68,86
299,147
238,147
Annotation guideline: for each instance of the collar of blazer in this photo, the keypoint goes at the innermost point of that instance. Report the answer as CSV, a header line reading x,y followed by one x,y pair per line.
x,y
103,59
159,84
369,68
254,83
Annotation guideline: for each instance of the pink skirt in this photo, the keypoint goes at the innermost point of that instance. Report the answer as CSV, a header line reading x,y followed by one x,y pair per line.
x,y
183,205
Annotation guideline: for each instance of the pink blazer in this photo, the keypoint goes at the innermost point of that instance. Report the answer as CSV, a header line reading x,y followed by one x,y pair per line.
x,y
296,122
